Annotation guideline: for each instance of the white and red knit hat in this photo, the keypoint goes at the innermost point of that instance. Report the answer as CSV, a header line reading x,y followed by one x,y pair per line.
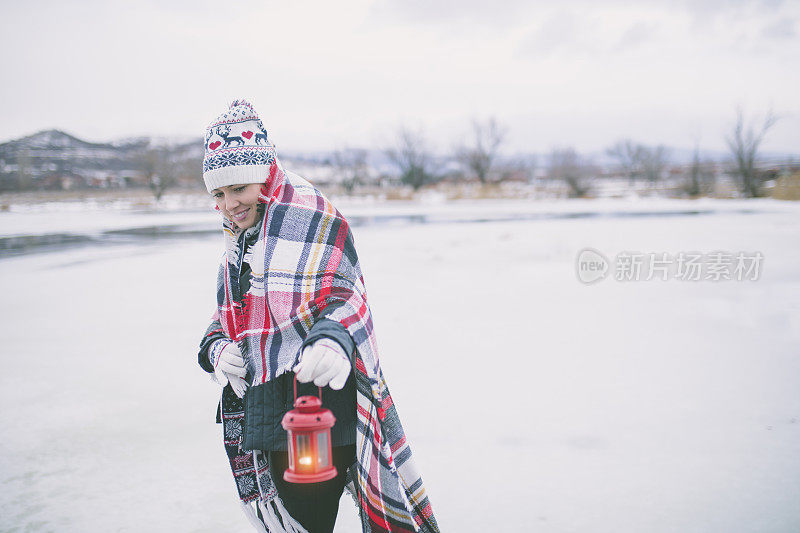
x,y
237,149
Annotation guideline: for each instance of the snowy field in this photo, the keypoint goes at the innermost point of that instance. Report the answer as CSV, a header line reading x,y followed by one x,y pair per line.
x,y
533,402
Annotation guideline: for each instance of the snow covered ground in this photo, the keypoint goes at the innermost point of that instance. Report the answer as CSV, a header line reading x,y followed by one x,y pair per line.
x,y
533,402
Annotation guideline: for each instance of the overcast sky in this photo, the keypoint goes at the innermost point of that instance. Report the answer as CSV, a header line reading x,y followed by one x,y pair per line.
x,y
325,75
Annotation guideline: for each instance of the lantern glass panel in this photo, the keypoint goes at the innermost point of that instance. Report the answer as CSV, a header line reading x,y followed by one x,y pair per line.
x,y
304,452
291,452
322,448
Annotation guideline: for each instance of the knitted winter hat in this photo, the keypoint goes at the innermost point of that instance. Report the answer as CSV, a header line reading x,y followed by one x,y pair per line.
x,y
237,149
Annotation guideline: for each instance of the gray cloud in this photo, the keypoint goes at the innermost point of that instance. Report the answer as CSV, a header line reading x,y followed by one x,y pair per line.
x,y
131,68
436,12
561,32
577,32
705,12
558,32
785,28
637,34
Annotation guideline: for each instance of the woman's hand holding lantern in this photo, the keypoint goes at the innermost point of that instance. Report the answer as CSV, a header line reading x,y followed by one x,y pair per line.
x,y
325,363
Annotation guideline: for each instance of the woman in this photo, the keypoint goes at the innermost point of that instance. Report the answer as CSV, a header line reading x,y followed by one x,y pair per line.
x,y
291,301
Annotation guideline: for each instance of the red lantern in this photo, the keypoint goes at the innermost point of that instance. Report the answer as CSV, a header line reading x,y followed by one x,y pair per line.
x,y
309,427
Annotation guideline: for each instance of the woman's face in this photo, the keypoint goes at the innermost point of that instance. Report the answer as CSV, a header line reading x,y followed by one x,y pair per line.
x,y
239,203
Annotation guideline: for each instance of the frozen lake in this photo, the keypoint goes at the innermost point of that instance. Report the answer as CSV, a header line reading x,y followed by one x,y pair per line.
x,y
533,402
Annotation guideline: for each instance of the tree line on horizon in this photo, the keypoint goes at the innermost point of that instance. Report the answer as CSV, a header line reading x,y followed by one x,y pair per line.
x,y
635,161
163,167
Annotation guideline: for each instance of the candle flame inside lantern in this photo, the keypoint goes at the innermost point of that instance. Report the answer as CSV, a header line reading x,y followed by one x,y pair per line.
x,y
304,460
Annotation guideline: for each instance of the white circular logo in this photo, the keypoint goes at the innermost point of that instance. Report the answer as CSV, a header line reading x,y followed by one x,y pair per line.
x,y
591,266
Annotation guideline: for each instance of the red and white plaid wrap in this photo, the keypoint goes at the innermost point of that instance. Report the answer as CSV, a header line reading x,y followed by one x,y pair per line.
x,y
304,266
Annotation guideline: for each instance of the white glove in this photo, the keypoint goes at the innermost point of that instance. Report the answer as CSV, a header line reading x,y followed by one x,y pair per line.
x,y
229,366
325,363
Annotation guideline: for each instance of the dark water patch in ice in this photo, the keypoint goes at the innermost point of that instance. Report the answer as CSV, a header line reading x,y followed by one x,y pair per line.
x,y
15,245
375,220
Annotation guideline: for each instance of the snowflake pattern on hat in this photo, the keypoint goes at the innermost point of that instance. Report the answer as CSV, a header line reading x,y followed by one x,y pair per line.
x,y
244,156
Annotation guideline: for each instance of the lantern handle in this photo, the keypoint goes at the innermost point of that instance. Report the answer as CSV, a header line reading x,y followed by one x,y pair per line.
x,y
295,390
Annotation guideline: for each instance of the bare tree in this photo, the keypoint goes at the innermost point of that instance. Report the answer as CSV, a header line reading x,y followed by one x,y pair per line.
x,y
567,165
653,161
160,170
351,165
479,157
639,161
629,156
189,170
521,168
412,158
743,143
700,176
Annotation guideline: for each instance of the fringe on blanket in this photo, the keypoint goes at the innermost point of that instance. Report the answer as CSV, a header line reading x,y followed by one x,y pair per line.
x,y
248,511
270,516
274,517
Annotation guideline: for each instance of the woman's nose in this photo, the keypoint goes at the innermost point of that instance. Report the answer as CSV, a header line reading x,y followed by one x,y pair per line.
x,y
230,202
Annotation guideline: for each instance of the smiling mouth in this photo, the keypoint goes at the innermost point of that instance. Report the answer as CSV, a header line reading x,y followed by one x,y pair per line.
x,y
241,215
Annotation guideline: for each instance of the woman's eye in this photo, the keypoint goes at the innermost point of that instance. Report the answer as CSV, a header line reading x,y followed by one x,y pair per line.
x,y
218,195
238,189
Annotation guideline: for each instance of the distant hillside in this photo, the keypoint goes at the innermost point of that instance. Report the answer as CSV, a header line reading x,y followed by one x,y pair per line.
x,y
56,160
53,159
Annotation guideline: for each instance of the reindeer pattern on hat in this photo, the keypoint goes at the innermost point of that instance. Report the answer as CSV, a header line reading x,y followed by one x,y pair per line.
x,y
224,139
242,118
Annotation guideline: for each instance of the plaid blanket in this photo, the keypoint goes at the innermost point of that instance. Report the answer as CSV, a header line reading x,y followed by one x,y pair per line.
x,y
304,265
